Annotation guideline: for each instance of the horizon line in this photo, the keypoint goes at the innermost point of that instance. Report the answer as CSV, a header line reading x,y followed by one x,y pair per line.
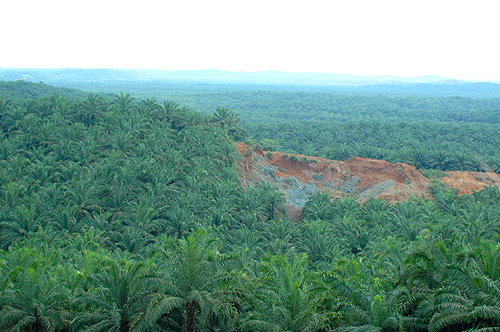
x,y
441,78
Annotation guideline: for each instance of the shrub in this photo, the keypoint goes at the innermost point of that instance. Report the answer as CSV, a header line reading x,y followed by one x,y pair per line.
x,y
436,187
269,144
433,173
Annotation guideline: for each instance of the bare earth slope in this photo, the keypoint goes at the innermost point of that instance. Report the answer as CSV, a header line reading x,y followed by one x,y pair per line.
x,y
361,178
468,182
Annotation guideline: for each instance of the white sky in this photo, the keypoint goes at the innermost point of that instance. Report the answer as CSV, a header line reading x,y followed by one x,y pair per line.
x,y
456,39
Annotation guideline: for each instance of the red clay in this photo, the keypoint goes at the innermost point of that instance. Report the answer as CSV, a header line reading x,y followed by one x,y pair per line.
x,y
370,178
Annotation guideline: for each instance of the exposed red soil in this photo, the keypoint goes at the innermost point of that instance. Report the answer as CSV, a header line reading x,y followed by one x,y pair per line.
x,y
253,160
468,182
361,178
375,171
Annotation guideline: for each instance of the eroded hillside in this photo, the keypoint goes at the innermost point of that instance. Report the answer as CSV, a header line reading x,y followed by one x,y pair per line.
x,y
299,176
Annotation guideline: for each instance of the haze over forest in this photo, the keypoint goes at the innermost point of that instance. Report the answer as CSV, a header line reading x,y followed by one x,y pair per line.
x,y
91,79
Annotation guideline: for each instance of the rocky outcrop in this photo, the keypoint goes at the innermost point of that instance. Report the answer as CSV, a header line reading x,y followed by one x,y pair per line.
x,y
299,176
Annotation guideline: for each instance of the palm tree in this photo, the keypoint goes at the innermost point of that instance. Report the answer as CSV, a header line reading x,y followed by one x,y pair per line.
x,y
354,233
460,162
131,239
177,222
198,289
124,101
318,207
150,106
83,197
227,154
468,301
169,110
252,213
115,204
273,200
4,107
420,158
281,235
20,224
224,199
65,111
173,113
35,300
117,302
425,276
225,118
137,124
439,160
286,297
346,206
63,221
318,241
193,118
363,311
245,243
92,109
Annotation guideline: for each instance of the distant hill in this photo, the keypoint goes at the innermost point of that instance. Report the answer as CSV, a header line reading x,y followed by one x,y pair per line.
x,y
388,85
30,90
209,75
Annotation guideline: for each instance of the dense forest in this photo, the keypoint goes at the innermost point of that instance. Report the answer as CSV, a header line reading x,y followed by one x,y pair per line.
x,y
120,213
433,130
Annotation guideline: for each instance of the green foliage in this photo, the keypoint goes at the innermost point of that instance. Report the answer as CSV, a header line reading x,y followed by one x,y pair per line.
x,y
437,187
118,298
29,90
286,297
125,214
269,145
433,174
36,298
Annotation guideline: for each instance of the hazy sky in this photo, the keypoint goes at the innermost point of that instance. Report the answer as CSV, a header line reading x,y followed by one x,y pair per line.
x,y
456,39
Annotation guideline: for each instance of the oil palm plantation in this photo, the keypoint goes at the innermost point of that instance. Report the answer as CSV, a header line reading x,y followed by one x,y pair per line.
x,y
286,297
118,299
124,101
225,118
36,296
198,288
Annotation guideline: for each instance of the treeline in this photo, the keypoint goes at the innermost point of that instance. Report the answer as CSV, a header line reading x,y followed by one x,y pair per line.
x,y
437,132
277,103
28,90
425,145
126,215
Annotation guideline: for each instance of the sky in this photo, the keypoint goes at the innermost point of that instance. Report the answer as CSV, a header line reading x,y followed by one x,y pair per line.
x,y
455,39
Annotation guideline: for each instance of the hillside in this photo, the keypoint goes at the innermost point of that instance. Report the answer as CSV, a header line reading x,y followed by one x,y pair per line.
x,y
131,215
28,90
299,176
